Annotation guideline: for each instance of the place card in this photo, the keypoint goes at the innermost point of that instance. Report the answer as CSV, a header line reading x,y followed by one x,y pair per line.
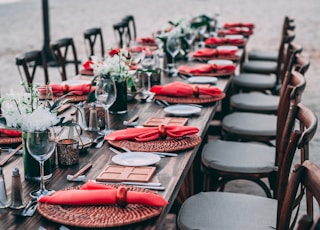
x,y
118,173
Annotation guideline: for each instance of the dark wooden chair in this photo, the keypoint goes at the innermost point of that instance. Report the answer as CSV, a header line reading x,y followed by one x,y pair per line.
x,y
29,63
224,161
132,29
225,210
272,55
120,31
266,103
62,49
92,37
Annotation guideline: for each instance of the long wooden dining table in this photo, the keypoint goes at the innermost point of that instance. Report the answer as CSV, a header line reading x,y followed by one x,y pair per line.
x,y
179,175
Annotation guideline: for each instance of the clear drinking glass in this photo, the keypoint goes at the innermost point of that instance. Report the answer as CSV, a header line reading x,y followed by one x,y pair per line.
x,y
148,65
173,47
106,94
41,145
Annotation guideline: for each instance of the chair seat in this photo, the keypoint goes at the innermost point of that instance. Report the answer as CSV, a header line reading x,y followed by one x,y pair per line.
x,y
230,156
255,102
256,81
263,55
255,124
264,67
212,210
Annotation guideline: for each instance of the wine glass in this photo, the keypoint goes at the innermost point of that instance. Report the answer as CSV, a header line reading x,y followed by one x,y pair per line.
x,y
106,94
189,37
41,145
148,65
173,46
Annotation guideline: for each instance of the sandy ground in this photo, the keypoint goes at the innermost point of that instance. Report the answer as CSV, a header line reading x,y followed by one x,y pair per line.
x,y
21,30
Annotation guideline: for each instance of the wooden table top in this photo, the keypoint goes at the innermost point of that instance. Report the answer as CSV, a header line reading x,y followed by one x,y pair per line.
x,y
171,171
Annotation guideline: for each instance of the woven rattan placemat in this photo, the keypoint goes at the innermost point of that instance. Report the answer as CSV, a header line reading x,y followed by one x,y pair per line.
x,y
99,216
167,145
202,99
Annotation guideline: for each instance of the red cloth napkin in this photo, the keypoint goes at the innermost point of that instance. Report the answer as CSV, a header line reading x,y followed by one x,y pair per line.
x,y
222,41
60,89
92,193
207,53
180,89
243,31
87,65
137,49
239,24
10,132
147,40
151,133
205,68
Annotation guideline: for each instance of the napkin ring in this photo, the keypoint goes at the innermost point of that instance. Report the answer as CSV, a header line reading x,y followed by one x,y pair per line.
x,y
162,131
196,91
121,196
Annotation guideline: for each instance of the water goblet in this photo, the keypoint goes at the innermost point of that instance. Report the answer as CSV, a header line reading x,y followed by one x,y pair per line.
x,y
189,37
148,65
106,94
173,47
41,145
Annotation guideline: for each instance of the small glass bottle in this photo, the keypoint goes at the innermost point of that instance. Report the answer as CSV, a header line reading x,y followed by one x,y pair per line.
x,y
3,191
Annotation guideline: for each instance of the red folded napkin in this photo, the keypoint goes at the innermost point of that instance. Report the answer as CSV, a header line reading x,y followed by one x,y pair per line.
x,y
151,133
206,68
87,65
238,24
92,193
136,49
243,31
147,40
207,53
222,41
60,89
10,132
180,89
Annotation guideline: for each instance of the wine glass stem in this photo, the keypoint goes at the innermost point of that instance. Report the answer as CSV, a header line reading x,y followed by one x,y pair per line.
x,y
42,186
149,81
107,119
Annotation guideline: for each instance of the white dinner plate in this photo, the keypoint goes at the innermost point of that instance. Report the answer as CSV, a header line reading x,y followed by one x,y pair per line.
x,y
234,36
182,110
202,80
220,62
135,159
228,48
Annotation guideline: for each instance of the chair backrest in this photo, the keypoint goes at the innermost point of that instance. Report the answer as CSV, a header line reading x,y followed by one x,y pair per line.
x,y
29,61
60,52
305,177
131,29
121,34
91,38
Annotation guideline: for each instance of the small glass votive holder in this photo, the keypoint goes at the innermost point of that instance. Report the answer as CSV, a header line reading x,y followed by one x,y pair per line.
x,y
68,152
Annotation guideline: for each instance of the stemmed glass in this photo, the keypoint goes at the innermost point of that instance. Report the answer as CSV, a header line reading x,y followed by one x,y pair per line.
x,y
173,46
106,94
41,145
189,38
148,65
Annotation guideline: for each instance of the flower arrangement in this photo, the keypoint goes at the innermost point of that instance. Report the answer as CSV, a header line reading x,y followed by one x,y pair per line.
x,y
26,112
117,63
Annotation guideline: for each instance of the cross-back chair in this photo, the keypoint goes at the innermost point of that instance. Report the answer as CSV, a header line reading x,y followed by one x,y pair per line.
x,y
93,37
266,103
225,161
29,63
272,55
253,126
131,29
121,34
62,49
226,210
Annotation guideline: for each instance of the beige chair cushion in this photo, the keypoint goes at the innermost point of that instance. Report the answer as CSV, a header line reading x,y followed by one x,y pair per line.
x,y
241,157
263,55
223,210
264,67
256,81
255,124
255,102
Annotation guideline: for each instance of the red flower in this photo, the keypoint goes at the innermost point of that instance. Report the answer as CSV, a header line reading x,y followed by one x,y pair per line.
x,y
114,52
87,65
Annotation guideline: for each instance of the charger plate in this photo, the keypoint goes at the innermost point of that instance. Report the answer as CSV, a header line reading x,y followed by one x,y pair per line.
x,y
99,216
211,74
75,98
167,145
10,140
202,99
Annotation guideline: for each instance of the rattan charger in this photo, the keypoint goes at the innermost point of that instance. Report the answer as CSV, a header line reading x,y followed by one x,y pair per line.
x,y
99,216
167,145
202,99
